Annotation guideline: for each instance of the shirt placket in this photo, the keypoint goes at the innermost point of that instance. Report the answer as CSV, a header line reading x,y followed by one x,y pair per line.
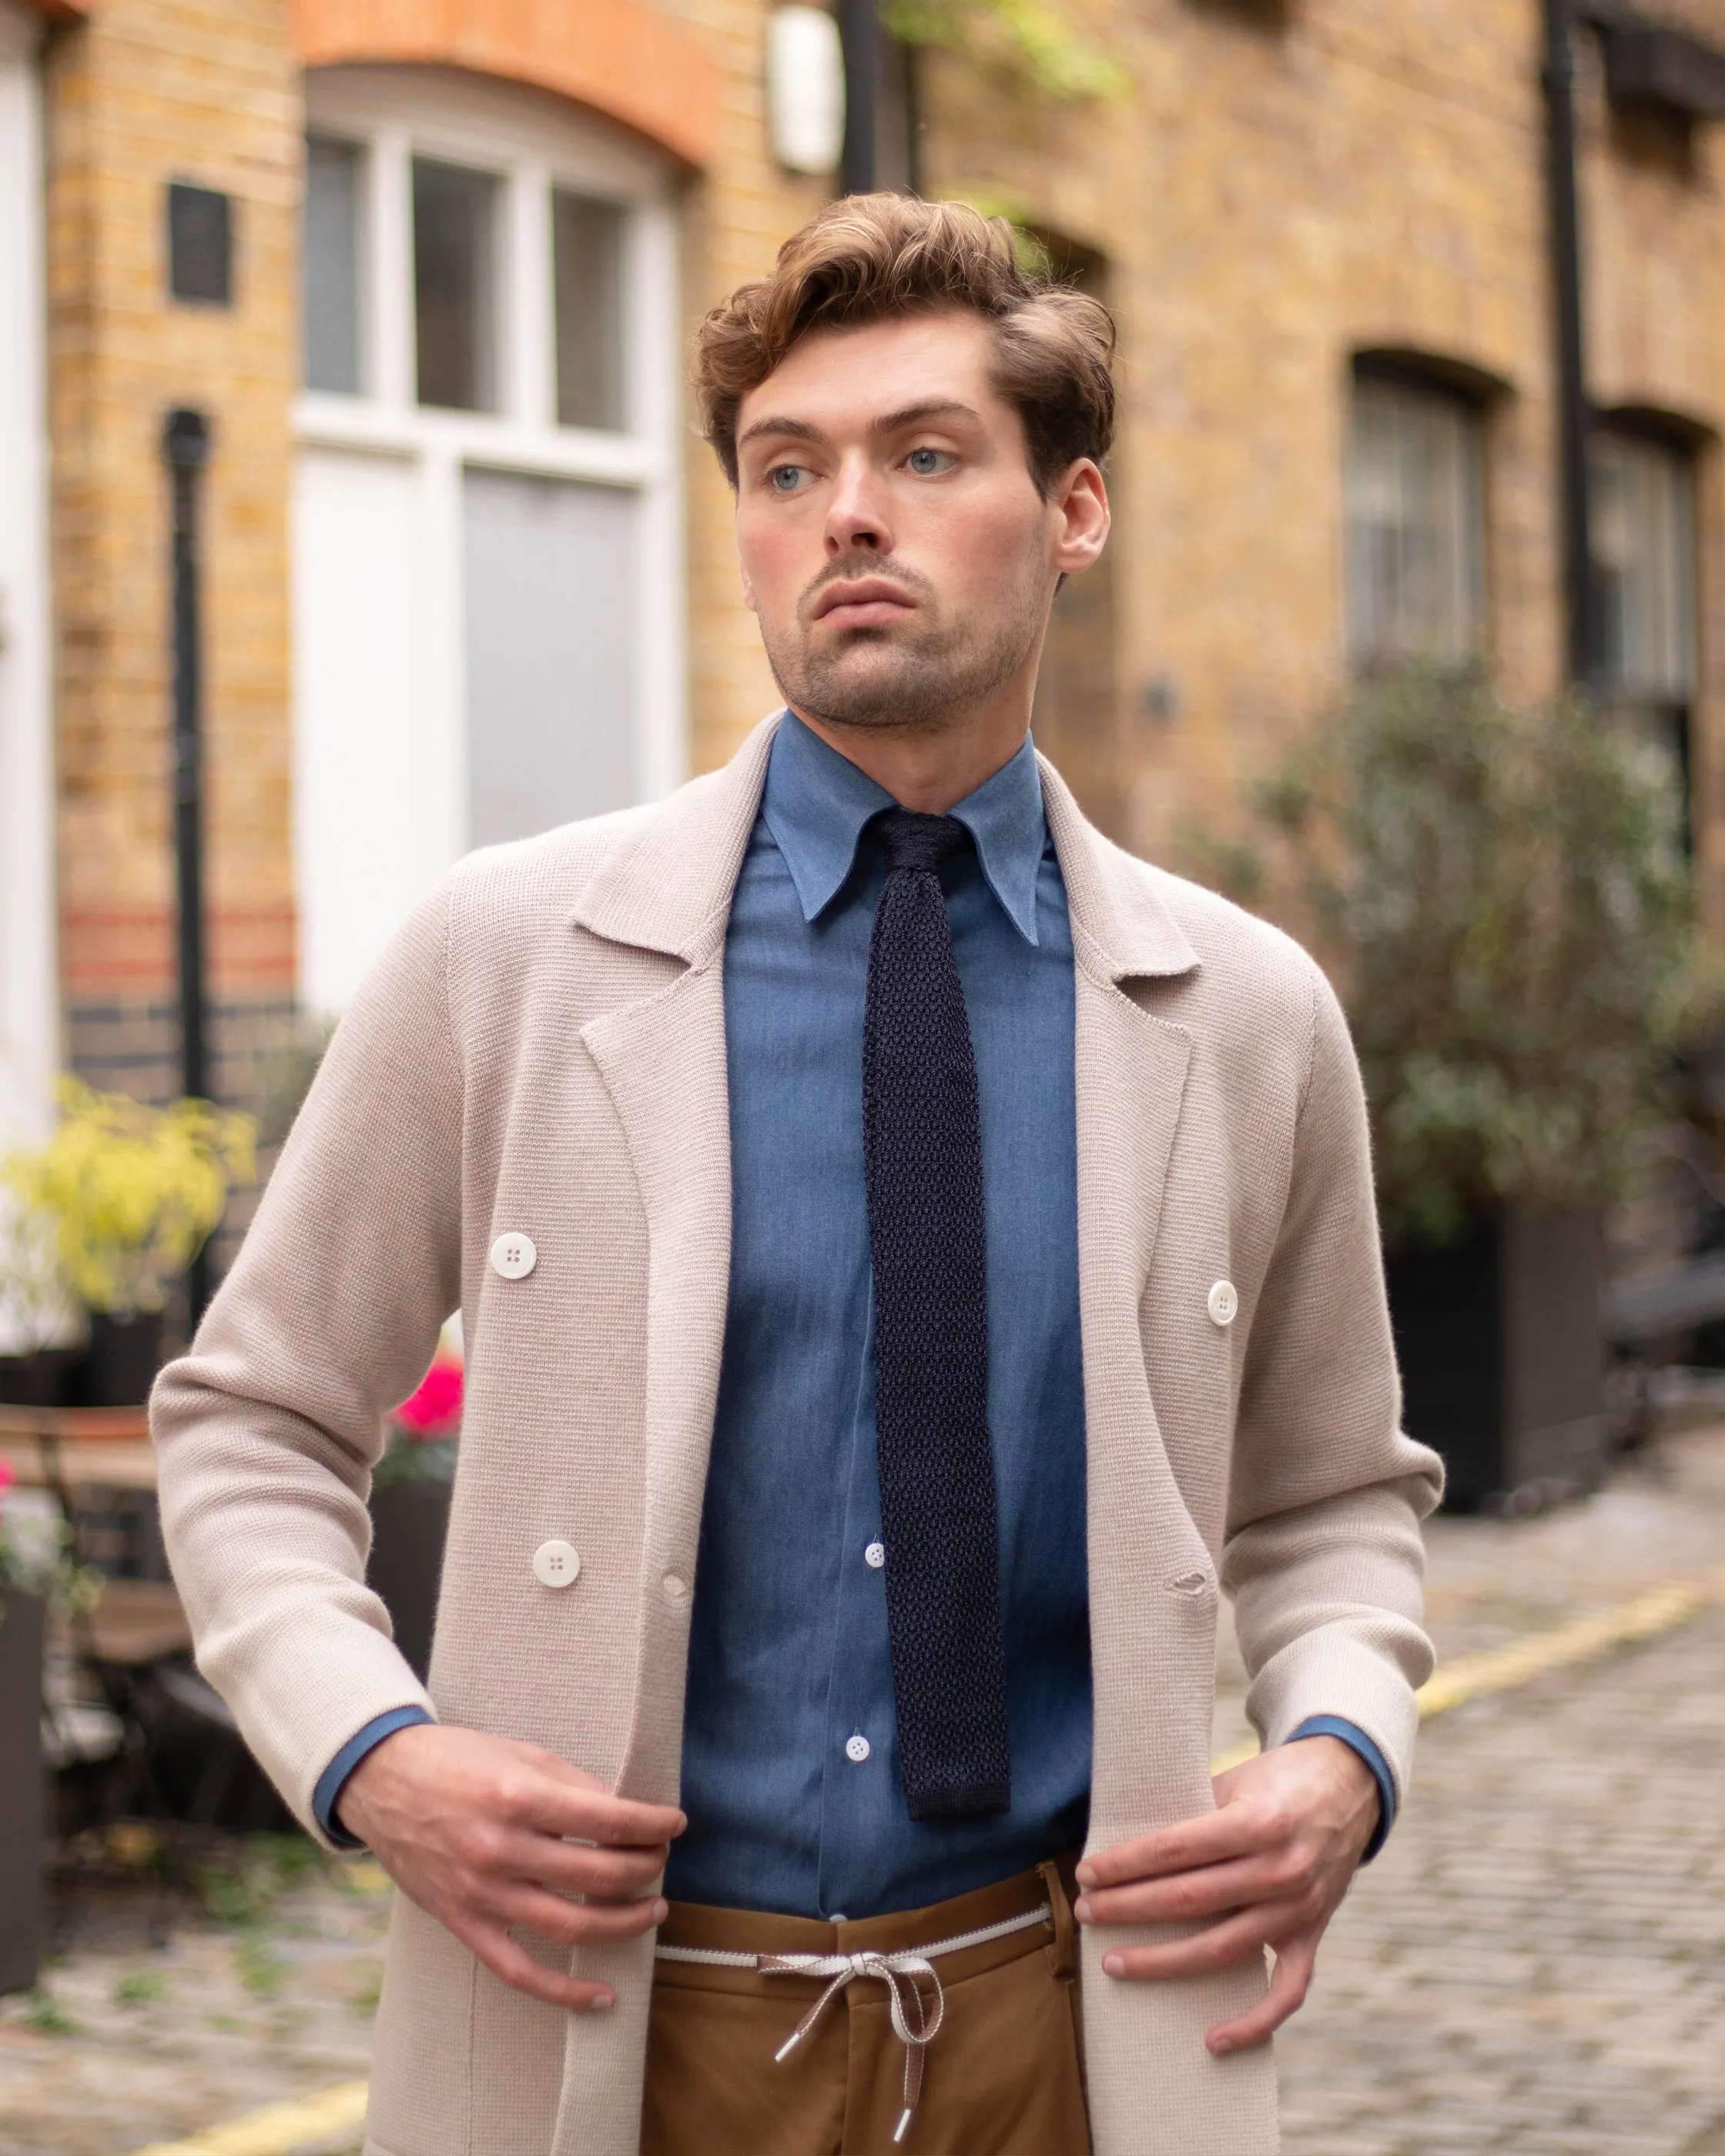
x,y
860,1748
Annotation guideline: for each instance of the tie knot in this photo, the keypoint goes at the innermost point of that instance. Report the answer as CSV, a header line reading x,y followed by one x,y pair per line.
x,y
913,841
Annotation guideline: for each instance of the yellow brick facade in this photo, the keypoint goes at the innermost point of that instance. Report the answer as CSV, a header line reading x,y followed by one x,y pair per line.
x,y
142,92
1282,185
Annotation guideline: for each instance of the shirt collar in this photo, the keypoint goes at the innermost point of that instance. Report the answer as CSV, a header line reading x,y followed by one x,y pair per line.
x,y
817,803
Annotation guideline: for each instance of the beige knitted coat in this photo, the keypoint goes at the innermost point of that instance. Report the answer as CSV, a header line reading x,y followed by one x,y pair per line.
x,y
541,1051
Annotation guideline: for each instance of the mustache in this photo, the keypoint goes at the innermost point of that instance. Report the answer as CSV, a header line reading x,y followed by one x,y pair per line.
x,y
852,572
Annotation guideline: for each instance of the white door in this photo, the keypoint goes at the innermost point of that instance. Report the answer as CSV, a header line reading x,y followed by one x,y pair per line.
x,y
488,488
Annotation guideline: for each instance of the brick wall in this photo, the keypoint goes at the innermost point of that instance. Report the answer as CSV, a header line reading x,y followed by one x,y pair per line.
x,y
737,215
143,92
1283,186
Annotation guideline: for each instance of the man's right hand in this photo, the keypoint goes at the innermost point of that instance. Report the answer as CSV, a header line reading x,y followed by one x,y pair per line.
x,y
486,1835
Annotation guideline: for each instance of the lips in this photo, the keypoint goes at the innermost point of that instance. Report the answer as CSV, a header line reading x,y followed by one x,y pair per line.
x,y
862,602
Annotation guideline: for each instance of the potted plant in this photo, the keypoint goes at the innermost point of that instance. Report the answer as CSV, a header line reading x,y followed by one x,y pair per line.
x,y
125,1196
1503,900
410,1503
35,1567
41,1324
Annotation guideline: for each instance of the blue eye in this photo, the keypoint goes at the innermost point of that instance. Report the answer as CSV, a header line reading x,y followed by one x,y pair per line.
x,y
782,478
925,463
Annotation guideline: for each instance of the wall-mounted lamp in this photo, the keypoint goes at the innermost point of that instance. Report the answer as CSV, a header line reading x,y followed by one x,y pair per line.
x,y
805,89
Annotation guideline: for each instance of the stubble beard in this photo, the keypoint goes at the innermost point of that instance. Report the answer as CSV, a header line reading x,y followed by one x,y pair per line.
x,y
923,678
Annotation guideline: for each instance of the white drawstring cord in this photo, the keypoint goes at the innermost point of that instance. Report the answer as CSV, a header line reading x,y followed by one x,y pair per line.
x,y
902,1974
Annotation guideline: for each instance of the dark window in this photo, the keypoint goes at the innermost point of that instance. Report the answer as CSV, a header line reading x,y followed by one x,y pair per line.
x,y
1643,530
1643,546
454,286
586,256
1415,523
200,243
329,305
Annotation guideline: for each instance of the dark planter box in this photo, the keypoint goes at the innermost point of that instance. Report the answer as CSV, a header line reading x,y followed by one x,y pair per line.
x,y
1502,1356
409,1521
120,1362
42,1378
22,1852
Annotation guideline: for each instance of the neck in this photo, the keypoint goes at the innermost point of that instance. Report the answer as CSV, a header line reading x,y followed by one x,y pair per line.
x,y
930,768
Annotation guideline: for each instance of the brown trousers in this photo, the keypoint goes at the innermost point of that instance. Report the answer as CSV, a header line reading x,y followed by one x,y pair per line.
x,y
1003,2076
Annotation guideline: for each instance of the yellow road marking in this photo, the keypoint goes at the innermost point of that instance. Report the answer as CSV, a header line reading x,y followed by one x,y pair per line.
x,y
279,2128
1501,1669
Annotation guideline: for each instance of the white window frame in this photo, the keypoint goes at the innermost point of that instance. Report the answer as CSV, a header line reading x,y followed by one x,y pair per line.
x,y
531,143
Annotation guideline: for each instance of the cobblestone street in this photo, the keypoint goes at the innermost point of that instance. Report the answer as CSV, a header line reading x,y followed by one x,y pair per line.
x,y
1535,1965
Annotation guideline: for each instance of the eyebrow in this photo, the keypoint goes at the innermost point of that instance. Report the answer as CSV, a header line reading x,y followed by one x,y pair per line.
x,y
889,422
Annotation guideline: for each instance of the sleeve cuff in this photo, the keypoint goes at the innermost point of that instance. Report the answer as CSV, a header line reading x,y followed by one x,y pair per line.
x,y
334,1777
1333,1725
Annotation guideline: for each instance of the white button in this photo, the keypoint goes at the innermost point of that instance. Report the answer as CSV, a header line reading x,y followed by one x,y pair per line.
x,y
1223,1302
676,1586
875,1555
514,1256
856,1749
556,1564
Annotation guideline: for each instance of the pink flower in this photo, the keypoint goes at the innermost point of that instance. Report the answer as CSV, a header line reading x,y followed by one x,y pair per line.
x,y
8,1475
434,1407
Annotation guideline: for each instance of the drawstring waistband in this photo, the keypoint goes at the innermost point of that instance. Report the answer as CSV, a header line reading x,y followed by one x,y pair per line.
x,y
916,2021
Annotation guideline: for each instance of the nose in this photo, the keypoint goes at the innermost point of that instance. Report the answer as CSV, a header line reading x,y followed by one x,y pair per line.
x,y
857,519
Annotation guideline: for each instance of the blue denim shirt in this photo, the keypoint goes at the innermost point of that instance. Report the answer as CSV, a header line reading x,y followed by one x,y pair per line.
x,y
789,1663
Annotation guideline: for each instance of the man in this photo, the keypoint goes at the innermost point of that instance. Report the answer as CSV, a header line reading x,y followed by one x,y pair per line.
x,y
913,1258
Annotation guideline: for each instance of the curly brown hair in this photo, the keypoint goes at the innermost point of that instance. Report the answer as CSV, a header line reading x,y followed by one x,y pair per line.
x,y
869,258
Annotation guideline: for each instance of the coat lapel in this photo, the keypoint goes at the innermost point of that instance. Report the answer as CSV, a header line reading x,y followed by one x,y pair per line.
x,y
662,1061
1132,1069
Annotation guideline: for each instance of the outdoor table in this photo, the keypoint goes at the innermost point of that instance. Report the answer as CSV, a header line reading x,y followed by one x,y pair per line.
x,y
79,1448
70,1450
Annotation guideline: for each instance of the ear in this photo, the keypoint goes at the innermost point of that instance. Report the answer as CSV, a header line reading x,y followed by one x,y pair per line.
x,y
1079,504
748,595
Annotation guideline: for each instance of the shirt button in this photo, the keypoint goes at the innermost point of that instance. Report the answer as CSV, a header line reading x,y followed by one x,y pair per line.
x,y
875,1556
856,1749
514,1256
1223,1302
556,1564
676,1586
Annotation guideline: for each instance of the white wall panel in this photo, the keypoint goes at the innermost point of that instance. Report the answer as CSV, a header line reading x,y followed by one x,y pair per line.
x,y
372,822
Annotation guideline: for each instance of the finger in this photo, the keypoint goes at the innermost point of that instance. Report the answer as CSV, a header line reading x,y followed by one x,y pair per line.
x,y
577,1809
572,1867
1186,1846
1192,1897
574,1923
1219,1946
513,1965
1289,1982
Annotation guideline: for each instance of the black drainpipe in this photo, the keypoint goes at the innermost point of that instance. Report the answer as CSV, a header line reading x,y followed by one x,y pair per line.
x,y
185,444
860,39
1574,413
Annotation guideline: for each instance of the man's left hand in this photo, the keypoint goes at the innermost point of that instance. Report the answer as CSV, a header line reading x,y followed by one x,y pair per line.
x,y
1269,1868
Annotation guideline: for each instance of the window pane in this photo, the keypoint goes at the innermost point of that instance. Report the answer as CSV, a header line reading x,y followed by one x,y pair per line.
x,y
1415,541
330,297
1643,536
586,242
454,286
552,680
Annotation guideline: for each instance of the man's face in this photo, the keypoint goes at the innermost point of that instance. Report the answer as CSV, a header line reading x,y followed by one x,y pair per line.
x,y
894,544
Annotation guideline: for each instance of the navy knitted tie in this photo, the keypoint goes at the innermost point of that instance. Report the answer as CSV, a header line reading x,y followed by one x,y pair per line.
x,y
922,1155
